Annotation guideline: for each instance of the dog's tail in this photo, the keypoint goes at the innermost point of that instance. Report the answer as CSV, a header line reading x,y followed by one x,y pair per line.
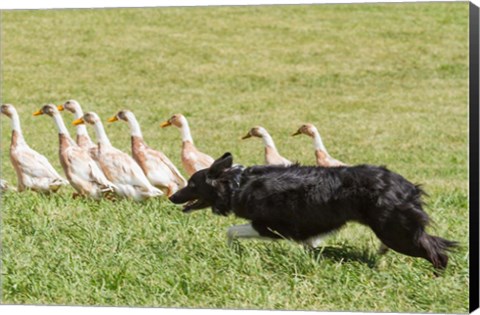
x,y
436,249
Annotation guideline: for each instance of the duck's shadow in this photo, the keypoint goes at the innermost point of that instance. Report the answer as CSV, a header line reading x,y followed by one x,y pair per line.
x,y
345,254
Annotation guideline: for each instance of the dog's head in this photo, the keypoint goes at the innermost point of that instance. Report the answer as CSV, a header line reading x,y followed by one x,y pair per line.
x,y
208,188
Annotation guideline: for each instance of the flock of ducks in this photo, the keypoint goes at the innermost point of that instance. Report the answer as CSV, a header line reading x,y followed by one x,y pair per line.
x,y
99,170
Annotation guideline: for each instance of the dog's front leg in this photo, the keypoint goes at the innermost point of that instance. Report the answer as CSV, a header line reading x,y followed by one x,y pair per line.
x,y
314,241
243,231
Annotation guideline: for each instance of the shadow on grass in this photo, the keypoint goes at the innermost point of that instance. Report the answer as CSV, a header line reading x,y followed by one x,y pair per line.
x,y
333,253
345,254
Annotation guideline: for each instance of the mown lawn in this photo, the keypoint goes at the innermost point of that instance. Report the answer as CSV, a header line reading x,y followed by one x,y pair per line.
x,y
384,84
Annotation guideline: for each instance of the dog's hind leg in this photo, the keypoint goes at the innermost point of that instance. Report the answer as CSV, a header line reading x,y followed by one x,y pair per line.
x,y
244,231
432,248
415,242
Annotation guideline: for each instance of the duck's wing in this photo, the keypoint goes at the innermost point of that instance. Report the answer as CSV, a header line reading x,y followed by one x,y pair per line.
x,y
272,157
194,160
203,160
335,162
36,165
286,162
84,167
122,168
159,157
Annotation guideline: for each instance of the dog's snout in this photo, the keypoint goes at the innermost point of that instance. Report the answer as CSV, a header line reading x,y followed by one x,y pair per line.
x,y
178,197
173,198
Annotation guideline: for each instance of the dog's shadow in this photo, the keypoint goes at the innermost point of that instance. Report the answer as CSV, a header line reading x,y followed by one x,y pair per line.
x,y
345,254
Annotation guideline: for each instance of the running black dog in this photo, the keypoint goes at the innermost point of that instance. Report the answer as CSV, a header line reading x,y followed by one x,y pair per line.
x,y
303,202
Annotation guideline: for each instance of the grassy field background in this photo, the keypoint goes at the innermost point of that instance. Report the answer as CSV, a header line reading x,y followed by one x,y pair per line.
x,y
384,84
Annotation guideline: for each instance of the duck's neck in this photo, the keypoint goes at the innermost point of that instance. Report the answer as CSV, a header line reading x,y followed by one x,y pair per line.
x,y
101,135
82,128
268,141
17,135
135,130
185,130
16,123
318,143
62,129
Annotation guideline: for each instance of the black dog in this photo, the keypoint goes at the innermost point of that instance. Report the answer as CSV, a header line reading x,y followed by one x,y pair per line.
x,y
303,202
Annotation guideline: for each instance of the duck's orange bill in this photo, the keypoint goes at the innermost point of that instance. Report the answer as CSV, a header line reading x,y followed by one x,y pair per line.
x,y
60,107
78,121
165,124
247,136
112,119
296,133
38,113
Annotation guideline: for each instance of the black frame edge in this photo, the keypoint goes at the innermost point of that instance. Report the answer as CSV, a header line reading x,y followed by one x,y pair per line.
x,y
474,157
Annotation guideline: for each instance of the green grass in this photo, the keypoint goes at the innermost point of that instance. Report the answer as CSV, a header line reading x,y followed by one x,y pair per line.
x,y
384,84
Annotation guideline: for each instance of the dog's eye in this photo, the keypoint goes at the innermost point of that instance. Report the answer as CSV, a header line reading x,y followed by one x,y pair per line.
x,y
191,184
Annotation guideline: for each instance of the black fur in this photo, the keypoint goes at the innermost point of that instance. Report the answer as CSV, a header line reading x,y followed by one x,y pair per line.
x,y
299,202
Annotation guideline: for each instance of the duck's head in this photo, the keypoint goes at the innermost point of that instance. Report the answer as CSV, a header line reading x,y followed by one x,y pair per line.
x,y
306,129
121,115
256,131
72,106
89,118
48,109
8,110
177,120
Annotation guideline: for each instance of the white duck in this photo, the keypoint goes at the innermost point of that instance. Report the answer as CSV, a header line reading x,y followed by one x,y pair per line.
x,y
272,157
157,166
33,169
81,170
83,139
192,159
119,167
321,154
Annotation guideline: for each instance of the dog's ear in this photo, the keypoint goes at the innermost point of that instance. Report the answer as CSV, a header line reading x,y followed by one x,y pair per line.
x,y
222,163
